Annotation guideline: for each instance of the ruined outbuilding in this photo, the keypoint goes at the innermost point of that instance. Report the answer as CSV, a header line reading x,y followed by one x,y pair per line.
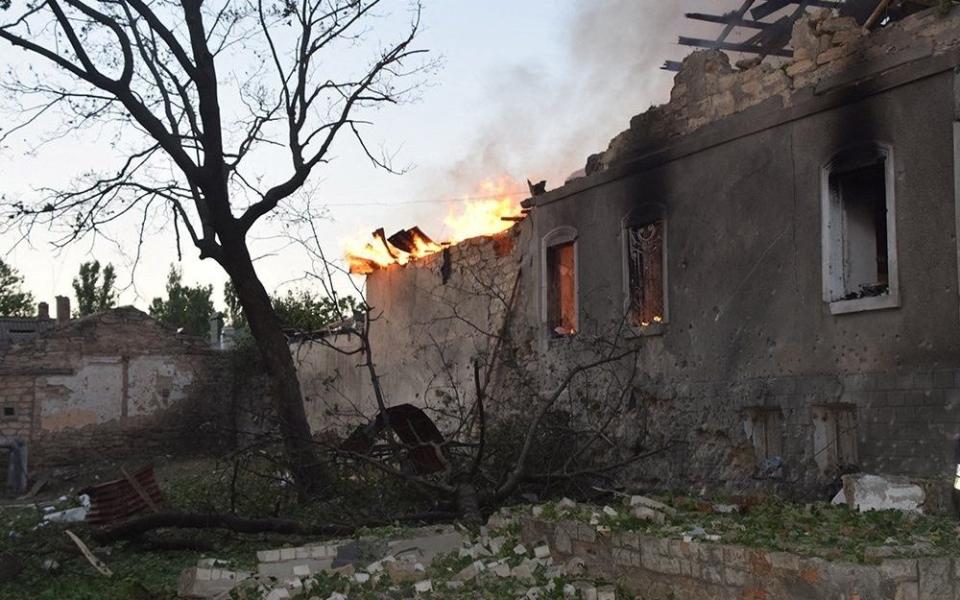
x,y
114,384
778,242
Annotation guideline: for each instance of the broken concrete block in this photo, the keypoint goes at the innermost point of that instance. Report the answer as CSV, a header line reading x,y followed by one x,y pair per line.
x,y
523,572
651,503
569,591
361,577
203,582
607,593
534,593
645,513
279,593
403,572
428,544
575,566
566,505
587,591
501,570
422,587
541,551
470,572
520,549
836,24
874,492
609,511
302,571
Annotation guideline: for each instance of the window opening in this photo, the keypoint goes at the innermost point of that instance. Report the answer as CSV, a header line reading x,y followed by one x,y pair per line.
x,y
561,289
645,272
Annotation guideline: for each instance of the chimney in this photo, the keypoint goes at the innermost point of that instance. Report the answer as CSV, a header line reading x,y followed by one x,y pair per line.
x,y
43,311
63,309
216,327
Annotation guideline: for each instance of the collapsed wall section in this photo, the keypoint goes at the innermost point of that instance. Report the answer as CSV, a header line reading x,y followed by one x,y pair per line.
x,y
429,321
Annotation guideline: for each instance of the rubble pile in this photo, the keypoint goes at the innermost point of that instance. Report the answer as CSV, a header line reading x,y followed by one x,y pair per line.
x,y
439,562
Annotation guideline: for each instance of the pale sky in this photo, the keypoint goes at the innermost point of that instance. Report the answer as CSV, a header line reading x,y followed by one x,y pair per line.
x,y
527,89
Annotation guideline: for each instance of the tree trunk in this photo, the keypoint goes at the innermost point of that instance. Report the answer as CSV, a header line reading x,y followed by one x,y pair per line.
x,y
308,473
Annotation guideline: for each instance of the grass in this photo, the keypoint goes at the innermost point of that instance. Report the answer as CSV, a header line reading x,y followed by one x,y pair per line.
x,y
144,572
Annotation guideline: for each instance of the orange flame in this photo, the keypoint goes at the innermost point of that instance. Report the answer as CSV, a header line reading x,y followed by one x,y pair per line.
x,y
488,216
497,211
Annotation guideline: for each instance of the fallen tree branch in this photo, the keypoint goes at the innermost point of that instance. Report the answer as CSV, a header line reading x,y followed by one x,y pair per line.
x,y
179,520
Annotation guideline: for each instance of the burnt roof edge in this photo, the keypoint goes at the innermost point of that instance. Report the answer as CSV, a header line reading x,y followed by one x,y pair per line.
x,y
845,88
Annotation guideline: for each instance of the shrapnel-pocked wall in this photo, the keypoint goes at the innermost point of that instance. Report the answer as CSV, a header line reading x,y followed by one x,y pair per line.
x,y
758,372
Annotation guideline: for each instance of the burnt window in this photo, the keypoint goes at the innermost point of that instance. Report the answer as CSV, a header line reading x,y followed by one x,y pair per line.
x,y
560,282
9,411
644,233
859,242
561,291
645,267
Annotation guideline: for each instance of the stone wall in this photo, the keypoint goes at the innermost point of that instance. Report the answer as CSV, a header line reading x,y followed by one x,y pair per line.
x,y
751,380
827,50
670,568
429,320
110,385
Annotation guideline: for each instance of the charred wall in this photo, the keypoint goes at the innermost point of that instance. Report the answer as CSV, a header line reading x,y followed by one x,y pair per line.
x,y
756,377
429,321
750,343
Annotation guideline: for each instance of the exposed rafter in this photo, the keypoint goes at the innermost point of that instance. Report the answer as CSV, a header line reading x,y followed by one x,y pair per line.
x,y
770,22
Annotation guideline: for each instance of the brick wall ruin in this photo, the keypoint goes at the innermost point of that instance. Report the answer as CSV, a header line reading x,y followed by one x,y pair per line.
x,y
112,385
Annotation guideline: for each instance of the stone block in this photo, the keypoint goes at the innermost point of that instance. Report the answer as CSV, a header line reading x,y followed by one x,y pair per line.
x,y
899,570
837,24
842,38
908,590
873,492
201,582
936,578
735,577
804,38
784,561
800,67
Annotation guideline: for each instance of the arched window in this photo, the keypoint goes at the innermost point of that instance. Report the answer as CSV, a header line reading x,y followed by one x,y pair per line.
x,y
644,234
559,268
859,230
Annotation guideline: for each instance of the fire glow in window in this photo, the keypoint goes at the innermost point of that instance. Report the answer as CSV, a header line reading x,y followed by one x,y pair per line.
x,y
645,272
562,289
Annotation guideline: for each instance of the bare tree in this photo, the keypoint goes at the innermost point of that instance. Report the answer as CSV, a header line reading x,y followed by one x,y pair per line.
x,y
191,91
504,428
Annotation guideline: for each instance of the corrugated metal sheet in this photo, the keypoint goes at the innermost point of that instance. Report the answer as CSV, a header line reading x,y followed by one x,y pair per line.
x,y
118,499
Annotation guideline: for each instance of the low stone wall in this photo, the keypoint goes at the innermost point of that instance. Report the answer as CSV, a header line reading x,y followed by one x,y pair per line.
x,y
657,568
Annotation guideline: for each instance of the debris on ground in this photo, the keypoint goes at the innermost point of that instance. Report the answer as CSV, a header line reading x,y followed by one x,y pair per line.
x,y
865,492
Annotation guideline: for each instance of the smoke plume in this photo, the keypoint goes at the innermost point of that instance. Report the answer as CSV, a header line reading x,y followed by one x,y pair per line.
x,y
545,124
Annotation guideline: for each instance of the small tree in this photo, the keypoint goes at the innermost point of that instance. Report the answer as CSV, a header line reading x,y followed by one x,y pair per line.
x,y
187,308
14,302
300,310
94,295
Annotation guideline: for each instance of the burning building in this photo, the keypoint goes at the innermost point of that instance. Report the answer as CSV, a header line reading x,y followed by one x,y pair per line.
x,y
778,243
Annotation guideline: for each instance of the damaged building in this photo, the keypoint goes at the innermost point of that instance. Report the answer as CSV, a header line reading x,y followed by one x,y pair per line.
x,y
110,385
779,245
